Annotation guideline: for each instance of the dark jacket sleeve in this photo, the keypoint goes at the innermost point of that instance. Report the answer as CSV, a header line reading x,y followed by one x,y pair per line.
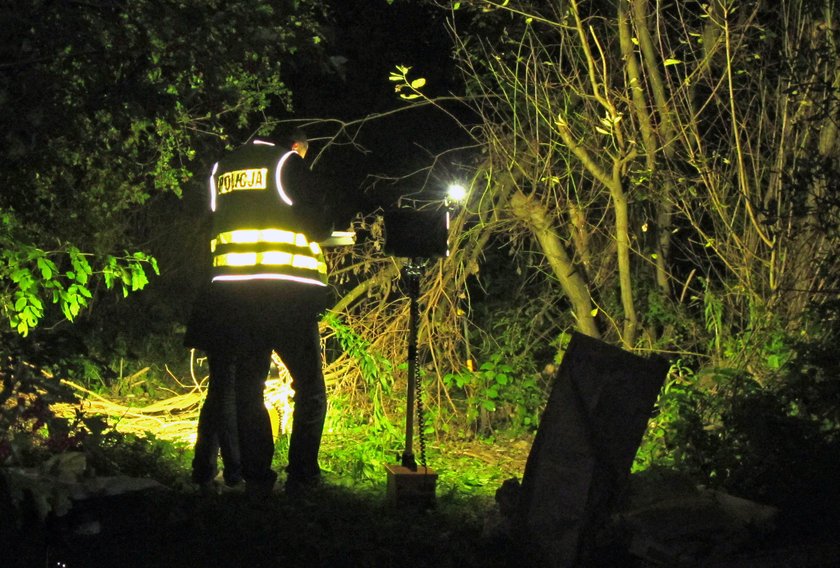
x,y
310,196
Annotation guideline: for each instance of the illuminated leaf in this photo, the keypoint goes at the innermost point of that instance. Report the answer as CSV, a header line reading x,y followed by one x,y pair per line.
x,y
46,270
672,62
37,305
417,83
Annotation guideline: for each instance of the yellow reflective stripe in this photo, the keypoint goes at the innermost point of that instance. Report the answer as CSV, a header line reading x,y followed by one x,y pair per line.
x,y
273,236
315,248
276,236
274,257
306,262
236,259
244,236
270,258
257,236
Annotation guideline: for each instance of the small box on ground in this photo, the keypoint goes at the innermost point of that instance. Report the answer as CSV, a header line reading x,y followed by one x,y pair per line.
x,y
410,488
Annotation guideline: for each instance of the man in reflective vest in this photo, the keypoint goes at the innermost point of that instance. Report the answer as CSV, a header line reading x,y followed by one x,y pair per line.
x,y
268,288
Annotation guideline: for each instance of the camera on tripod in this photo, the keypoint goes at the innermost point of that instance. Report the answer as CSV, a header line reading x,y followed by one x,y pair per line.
x,y
418,235
413,233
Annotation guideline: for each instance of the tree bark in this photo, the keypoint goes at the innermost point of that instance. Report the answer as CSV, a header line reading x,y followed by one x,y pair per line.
x,y
537,218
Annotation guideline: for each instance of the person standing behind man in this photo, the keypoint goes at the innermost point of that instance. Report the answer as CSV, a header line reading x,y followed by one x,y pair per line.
x,y
268,289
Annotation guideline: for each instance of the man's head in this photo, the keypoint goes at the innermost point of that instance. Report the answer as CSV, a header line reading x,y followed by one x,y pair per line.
x,y
297,142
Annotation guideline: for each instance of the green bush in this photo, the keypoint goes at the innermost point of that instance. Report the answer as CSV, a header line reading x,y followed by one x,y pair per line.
x,y
774,441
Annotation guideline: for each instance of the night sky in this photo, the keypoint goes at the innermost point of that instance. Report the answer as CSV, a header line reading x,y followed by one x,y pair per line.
x,y
369,39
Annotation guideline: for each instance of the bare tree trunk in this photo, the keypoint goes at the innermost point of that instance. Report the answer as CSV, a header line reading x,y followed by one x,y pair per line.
x,y
535,216
667,140
622,241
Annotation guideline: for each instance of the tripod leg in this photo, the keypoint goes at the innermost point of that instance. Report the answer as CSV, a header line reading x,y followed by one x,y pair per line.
x,y
413,279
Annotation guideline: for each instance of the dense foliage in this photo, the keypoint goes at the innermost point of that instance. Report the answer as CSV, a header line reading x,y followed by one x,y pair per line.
x,y
663,181
113,104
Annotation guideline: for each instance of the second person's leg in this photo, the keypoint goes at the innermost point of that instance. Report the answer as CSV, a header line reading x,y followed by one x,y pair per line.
x,y
256,442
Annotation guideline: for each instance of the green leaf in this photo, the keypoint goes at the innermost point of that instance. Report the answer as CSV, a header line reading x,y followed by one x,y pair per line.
x,y
20,275
672,62
138,278
46,270
36,303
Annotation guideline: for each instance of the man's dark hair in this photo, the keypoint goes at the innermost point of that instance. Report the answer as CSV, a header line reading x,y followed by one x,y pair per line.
x,y
286,139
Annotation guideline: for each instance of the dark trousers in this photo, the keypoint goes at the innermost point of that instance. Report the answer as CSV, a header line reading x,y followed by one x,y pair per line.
x,y
217,428
240,377
300,350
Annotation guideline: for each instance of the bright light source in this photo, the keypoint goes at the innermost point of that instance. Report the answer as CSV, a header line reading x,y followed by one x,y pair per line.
x,y
456,192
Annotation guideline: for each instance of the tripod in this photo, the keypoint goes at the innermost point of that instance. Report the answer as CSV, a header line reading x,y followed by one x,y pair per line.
x,y
412,273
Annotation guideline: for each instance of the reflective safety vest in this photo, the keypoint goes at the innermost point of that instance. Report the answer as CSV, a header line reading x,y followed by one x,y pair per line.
x,y
257,233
